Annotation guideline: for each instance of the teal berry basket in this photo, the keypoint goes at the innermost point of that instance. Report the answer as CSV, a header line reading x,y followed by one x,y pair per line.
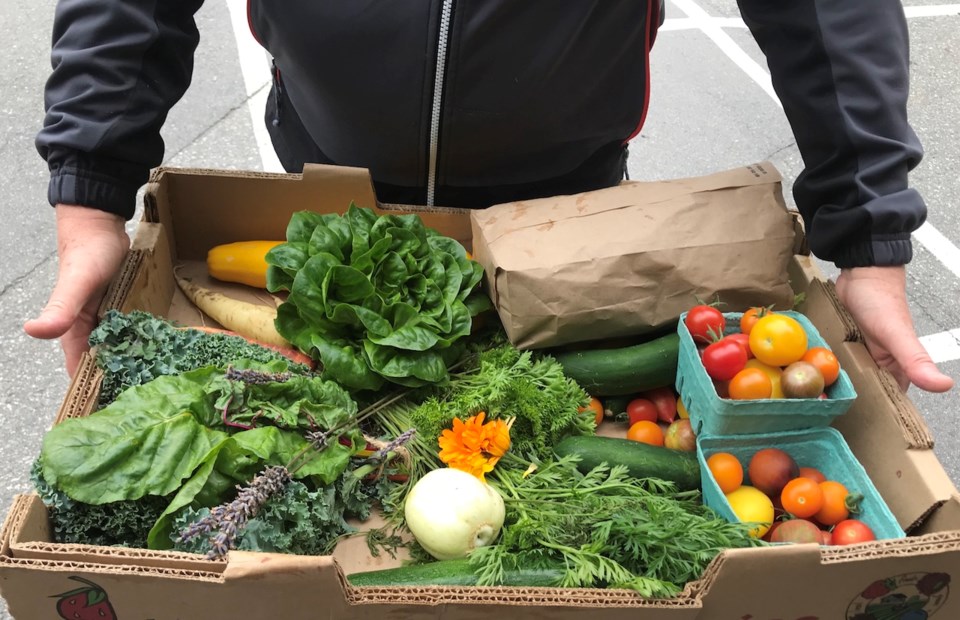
x,y
822,448
712,415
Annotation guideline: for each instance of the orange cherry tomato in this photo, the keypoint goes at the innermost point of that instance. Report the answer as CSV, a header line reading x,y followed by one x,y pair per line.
x,y
646,432
773,372
750,317
750,384
727,471
597,407
825,361
835,508
802,497
778,340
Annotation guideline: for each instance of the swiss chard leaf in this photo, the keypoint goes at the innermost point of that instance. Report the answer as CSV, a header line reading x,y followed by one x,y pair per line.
x,y
238,459
125,453
156,435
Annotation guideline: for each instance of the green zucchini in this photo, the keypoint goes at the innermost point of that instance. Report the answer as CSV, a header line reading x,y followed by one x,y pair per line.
x,y
640,459
451,573
626,370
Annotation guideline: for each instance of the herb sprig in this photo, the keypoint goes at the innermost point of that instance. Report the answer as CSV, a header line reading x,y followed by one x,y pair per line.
x,y
604,528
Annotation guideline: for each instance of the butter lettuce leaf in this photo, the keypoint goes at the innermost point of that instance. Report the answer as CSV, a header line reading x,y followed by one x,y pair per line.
x,y
376,298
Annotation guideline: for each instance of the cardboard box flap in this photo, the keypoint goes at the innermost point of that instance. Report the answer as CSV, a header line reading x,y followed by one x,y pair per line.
x,y
84,389
822,306
241,206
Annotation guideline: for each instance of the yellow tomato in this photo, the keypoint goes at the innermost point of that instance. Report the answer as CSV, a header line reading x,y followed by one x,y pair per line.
x,y
681,409
772,372
751,505
778,340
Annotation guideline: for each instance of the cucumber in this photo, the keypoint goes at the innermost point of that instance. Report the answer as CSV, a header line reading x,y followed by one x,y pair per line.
x,y
451,573
616,406
626,370
640,459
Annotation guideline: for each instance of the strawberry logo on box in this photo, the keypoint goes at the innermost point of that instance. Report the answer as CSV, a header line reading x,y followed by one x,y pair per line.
x,y
910,596
89,602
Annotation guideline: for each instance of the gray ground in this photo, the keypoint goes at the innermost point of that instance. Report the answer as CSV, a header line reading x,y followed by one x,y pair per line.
x,y
706,115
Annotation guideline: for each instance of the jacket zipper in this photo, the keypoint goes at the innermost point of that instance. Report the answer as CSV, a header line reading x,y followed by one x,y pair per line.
x,y
442,47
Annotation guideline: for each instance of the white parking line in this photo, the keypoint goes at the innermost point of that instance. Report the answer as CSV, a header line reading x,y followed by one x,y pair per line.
x,y
695,23
940,10
942,346
255,67
727,45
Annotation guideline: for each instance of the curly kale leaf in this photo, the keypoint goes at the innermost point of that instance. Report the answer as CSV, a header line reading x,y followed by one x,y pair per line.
x,y
377,298
300,521
123,523
137,347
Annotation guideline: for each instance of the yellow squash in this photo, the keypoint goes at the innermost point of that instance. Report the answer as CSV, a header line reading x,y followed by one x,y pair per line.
x,y
243,262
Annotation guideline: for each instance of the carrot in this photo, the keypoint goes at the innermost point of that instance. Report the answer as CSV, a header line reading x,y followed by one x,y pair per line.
x,y
289,352
252,321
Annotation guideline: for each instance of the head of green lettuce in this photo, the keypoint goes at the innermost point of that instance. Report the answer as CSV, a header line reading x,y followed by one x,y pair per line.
x,y
375,298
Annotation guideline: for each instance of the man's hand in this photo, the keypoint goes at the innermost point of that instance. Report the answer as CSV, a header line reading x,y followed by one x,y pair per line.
x,y
876,297
91,245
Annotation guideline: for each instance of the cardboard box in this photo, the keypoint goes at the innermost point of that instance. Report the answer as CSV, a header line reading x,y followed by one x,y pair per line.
x,y
188,211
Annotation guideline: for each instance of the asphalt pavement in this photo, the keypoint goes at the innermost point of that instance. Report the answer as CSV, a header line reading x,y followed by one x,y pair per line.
x,y
710,110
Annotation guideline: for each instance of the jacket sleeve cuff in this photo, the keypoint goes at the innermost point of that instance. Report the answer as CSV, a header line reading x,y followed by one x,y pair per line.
x,y
881,251
91,189
873,234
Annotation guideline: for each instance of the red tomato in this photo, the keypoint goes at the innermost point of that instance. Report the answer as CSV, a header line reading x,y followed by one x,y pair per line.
x,y
703,321
665,401
813,473
724,359
640,409
826,538
851,531
744,341
778,340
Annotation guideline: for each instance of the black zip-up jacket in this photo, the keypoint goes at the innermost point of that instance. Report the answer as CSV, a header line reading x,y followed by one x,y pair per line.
x,y
469,102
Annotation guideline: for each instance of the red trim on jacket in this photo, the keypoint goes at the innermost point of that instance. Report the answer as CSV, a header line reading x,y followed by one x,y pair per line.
x,y
254,32
653,24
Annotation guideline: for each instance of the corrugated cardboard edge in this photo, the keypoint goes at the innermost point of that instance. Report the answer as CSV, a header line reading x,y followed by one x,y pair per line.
x,y
517,597
30,535
927,544
84,389
151,212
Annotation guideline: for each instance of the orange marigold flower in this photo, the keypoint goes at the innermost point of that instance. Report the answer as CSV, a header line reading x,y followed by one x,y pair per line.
x,y
475,447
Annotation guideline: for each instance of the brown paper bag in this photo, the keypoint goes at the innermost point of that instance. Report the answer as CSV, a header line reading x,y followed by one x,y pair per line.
x,y
628,260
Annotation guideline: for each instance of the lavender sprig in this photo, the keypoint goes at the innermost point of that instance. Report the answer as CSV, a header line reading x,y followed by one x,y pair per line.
x,y
386,451
250,376
225,522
